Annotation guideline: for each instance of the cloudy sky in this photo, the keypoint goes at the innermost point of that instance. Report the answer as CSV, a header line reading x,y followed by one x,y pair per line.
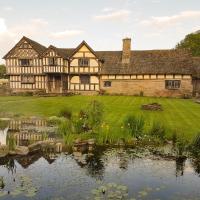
x,y
152,24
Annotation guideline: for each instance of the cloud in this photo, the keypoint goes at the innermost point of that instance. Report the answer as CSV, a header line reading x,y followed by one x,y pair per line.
x,y
8,8
66,33
31,28
107,9
3,27
39,21
165,21
11,35
156,1
114,15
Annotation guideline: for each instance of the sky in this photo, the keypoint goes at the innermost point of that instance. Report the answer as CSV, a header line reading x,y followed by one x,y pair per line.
x,y
151,24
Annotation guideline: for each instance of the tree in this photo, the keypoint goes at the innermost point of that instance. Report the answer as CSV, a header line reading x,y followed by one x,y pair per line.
x,y
2,71
192,42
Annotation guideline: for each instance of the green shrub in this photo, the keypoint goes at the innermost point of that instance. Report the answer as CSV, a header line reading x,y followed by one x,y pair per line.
x,y
134,125
66,113
181,147
196,142
94,113
158,131
4,124
54,120
89,120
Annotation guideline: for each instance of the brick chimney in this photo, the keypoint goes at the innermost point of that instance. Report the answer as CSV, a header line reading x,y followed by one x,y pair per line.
x,y
126,51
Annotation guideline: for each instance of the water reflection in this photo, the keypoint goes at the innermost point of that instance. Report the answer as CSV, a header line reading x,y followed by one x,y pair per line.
x,y
59,172
180,166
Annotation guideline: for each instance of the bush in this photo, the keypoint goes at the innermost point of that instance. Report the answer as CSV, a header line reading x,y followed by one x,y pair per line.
x,y
94,113
181,147
196,142
158,131
66,113
54,120
2,71
3,124
134,125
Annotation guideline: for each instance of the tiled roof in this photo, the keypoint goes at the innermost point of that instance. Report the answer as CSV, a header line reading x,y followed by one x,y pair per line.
x,y
147,62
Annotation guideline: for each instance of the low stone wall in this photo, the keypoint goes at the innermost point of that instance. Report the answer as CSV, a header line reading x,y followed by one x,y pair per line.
x,y
147,88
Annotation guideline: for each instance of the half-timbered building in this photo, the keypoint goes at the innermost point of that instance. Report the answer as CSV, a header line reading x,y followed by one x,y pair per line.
x,y
34,67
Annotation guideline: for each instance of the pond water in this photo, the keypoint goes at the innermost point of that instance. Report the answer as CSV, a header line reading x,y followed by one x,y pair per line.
x,y
103,173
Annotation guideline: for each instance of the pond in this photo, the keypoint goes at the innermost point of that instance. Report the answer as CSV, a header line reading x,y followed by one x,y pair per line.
x,y
101,173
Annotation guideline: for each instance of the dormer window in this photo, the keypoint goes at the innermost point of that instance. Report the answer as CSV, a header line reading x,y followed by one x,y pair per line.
x,y
52,61
83,62
24,62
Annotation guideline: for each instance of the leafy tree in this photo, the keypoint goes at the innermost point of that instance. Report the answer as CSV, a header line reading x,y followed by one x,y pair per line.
x,y
2,71
192,42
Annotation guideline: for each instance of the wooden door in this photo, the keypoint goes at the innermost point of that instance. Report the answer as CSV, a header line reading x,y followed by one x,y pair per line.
x,y
54,83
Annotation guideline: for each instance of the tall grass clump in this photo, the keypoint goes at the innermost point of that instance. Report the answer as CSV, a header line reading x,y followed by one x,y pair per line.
x,y
90,119
134,125
158,131
87,121
67,130
195,144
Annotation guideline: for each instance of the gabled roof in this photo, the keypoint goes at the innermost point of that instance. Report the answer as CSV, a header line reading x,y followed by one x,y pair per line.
x,y
35,45
82,44
62,52
147,62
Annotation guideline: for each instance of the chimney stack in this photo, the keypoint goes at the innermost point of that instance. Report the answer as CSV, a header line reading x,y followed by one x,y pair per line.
x,y
126,52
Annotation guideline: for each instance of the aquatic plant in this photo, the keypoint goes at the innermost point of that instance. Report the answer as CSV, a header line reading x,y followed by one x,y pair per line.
x,y
194,147
134,125
110,191
158,130
2,184
11,141
181,146
95,114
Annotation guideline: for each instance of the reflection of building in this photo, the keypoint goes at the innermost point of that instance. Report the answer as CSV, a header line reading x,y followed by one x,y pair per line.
x,y
23,124
3,136
28,131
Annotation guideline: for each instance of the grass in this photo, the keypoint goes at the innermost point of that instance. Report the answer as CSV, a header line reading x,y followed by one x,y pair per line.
x,y
180,115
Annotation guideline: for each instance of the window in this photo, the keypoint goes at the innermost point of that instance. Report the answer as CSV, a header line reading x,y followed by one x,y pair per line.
x,y
85,79
28,79
83,62
172,84
24,62
107,84
52,61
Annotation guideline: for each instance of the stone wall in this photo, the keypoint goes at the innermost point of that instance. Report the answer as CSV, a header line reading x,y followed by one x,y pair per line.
x,y
147,88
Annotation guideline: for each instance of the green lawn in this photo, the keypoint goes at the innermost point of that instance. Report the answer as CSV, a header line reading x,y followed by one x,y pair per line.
x,y
179,114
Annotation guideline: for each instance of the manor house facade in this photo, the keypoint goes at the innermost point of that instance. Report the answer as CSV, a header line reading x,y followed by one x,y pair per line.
x,y
34,67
